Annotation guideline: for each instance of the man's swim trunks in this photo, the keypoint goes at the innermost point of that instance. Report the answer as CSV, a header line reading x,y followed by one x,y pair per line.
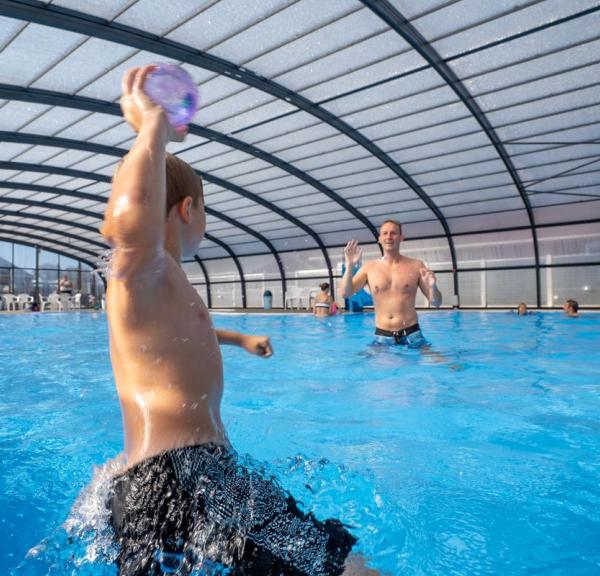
x,y
411,337
198,505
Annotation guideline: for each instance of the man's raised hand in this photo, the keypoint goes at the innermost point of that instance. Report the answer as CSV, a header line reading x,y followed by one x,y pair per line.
x,y
352,253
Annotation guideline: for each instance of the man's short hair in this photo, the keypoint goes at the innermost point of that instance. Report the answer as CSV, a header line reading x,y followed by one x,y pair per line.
x,y
574,305
182,181
394,222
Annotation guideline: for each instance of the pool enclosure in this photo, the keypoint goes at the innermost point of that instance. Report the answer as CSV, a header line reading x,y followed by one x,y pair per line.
x,y
476,124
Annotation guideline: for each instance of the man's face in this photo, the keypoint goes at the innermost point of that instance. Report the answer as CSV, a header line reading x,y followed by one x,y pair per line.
x,y
390,236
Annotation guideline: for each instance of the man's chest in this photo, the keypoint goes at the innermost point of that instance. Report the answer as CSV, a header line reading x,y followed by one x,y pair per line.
x,y
395,279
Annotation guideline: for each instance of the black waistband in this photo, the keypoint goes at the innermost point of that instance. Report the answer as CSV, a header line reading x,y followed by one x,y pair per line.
x,y
397,334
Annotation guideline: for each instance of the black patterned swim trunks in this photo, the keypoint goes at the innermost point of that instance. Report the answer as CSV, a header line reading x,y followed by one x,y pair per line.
x,y
198,506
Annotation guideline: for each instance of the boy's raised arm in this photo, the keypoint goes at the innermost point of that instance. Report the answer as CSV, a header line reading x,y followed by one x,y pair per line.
x,y
135,215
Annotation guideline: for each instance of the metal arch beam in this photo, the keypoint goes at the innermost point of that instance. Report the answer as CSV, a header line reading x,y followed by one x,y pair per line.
x,y
102,199
35,139
47,169
51,219
260,237
25,243
49,241
11,92
414,38
207,278
16,223
50,206
279,211
81,23
235,261
102,178
90,214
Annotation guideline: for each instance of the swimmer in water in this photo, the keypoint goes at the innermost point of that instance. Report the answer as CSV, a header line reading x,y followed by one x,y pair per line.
x,y
571,308
522,309
323,302
393,281
184,497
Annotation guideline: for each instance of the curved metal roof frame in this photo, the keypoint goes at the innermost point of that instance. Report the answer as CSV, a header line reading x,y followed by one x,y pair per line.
x,y
35,139
102,178
511,100
50,219
404,28
95,215
236,261
62,253
57,232
81,23
50,98
207,280
51,242
88,213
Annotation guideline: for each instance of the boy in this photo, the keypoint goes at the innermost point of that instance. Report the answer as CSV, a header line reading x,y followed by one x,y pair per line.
x,y
184,498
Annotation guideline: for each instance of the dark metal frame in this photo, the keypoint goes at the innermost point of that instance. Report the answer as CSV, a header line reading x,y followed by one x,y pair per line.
x,y
60,252
93,26
51,231
49,98
50,242
207,278
414,38
236,261
126,35
120,152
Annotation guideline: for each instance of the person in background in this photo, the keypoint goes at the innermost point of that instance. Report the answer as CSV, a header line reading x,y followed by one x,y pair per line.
x,y
522,309
65,286
323,302
571,308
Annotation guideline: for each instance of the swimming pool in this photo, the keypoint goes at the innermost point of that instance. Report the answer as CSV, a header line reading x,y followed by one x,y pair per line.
x,y
481,459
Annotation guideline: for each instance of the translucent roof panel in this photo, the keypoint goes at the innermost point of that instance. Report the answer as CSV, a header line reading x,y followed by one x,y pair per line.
x,y
318,120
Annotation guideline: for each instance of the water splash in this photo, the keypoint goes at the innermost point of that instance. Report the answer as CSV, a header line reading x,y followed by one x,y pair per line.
x,y
84,544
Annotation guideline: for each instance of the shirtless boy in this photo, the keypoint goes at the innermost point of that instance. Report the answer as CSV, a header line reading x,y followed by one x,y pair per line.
x,y
184,498
393,281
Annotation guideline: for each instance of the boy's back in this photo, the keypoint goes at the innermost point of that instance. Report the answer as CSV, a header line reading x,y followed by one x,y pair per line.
x,y
166,360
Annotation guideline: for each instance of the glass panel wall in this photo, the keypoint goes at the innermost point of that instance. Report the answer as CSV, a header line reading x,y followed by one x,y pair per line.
x,y
495,269
18,273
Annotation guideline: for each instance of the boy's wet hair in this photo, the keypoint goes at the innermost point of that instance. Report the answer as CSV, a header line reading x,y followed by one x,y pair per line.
x,y
394,222
182,181
574,305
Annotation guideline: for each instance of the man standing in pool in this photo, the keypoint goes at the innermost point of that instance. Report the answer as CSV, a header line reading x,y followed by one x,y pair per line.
x,y
184,499
393,281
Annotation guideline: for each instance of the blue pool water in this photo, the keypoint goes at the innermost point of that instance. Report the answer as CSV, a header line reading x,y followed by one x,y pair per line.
x,y
483,458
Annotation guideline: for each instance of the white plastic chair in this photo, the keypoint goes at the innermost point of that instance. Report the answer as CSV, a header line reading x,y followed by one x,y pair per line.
x,y
25,301
45,303
298,296
11,302
57,302
76,303
312,297
65,301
